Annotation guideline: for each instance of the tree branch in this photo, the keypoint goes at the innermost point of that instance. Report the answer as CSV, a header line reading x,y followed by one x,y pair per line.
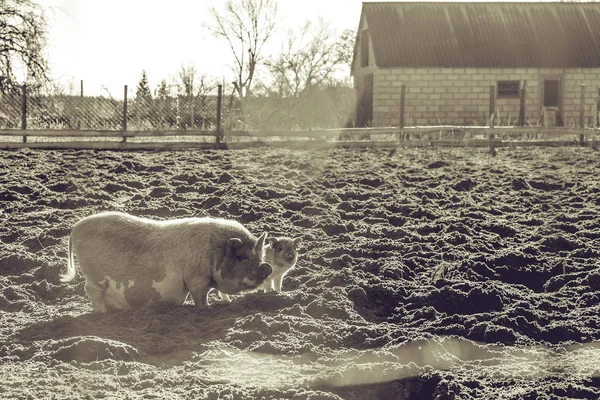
x,y
246,25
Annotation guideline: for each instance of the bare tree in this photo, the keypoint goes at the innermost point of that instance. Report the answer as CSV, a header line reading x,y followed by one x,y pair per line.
x,y
246,25
186,80
22,40
312,55
194,107
190,85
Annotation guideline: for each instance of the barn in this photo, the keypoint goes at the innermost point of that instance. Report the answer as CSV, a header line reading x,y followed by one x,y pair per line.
x,y
458,61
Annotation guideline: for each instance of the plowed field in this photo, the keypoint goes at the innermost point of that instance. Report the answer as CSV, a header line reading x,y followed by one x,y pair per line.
x,y
425,274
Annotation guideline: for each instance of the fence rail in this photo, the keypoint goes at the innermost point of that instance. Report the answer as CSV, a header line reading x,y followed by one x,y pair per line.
x,y
430,136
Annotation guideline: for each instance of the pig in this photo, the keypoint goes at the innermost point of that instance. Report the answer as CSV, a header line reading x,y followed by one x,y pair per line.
x,y
129,262
281,253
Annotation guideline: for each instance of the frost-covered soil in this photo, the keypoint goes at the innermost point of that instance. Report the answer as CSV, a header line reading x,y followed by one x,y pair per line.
x,y
512,312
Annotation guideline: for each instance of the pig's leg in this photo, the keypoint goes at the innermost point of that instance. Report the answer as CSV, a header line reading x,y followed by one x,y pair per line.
x,y
277,281
95,292
199,289
268,285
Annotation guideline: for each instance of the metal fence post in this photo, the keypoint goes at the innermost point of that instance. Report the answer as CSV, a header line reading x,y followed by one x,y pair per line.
x,y
582,107
598,109
492,105
124,127
24,111
219,103
402,108
522,104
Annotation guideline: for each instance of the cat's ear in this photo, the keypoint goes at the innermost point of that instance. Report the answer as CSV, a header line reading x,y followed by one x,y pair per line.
x,y
297,242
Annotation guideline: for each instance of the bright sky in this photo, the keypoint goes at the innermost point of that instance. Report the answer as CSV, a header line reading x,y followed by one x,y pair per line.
x,y
109,42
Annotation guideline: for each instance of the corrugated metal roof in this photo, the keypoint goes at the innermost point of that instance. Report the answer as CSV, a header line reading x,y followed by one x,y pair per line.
x,y
486,35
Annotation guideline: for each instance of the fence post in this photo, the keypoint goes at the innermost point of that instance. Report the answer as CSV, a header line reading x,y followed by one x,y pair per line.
x,y
124,127
219,103
582,107
522,104
491,145
492,104
598,110
24,111
81,88
402,98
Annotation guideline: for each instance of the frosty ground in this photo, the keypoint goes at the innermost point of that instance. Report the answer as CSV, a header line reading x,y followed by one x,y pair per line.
x,y
513,311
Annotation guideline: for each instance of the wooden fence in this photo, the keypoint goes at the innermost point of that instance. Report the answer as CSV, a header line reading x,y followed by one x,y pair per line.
x,y
426,136
432,136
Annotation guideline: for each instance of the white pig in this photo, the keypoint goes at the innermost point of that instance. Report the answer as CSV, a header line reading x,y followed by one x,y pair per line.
x,y
129,262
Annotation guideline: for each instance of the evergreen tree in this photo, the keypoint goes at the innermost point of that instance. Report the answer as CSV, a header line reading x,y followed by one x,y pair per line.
x,y
143,88
163,89
143,99
166,113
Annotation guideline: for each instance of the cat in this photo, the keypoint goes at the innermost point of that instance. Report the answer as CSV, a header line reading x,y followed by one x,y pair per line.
x,y
281,253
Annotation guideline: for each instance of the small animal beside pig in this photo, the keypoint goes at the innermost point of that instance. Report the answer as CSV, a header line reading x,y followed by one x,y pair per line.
x,y
281,253
129,262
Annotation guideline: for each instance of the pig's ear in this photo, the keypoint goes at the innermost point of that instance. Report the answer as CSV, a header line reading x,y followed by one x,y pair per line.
x,y
261,241
297,242
232,245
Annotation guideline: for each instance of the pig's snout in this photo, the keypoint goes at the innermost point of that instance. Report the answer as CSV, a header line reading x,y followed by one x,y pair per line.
x,y
264,270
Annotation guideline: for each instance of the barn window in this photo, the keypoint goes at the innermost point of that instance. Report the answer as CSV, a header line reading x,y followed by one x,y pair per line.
x,y
364,49
508,89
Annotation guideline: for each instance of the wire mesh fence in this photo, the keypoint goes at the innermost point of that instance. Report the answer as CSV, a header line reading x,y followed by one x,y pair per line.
x,y
173,113
10,111
175,110
73,112
320,108
60,112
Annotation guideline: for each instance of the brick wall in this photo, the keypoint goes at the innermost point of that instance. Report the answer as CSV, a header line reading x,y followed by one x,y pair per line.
x,y
461,96
573,80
